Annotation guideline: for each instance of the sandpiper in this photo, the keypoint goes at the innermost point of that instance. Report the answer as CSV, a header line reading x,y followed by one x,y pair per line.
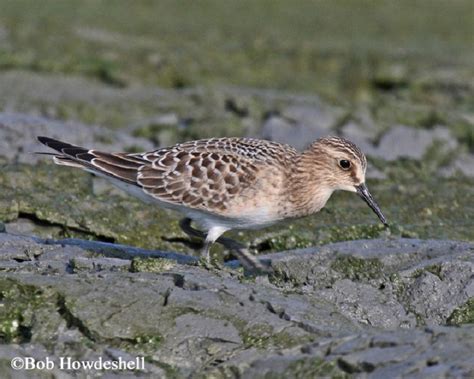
x,y
230,183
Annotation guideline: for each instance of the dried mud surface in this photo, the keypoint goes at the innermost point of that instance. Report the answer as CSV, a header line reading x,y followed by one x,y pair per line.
x,y
372,308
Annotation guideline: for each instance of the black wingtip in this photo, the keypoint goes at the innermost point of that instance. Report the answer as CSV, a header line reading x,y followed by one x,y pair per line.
x,y
50,141
44,140
56,144
73,151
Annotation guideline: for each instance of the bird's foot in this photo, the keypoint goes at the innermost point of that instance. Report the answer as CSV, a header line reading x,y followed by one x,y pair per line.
x,y
210,264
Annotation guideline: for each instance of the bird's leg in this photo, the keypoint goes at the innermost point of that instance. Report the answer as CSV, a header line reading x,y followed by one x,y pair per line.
x,y
185,225
247,259
205,252
250,262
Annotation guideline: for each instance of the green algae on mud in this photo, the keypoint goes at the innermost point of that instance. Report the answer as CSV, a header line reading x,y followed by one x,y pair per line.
x,y
29,313
329,54
151,264
313,367
142,344
463,315
263,336
56,196
355,268
22,312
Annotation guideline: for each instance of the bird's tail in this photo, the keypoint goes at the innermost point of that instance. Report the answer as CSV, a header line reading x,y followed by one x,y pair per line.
x,y
67,154
116,165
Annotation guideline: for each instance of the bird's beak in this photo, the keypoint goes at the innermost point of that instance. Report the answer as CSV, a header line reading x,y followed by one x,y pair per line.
x,y
364,193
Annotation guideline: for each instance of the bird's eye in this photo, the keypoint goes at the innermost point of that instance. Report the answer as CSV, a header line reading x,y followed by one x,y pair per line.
x,y
345,164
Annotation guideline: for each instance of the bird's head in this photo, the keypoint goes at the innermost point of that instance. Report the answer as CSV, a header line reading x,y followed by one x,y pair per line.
x,y
340,165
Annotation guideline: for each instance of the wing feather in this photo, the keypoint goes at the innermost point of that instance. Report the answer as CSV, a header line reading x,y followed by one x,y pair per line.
x,y
203,180
203,174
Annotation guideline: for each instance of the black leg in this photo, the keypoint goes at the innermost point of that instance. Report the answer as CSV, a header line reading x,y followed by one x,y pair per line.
x,y
185,225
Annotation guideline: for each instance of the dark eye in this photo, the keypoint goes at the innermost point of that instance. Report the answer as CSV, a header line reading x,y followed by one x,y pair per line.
x,y
345,164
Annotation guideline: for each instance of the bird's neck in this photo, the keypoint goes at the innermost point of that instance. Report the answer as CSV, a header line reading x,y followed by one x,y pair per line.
x,y
308,189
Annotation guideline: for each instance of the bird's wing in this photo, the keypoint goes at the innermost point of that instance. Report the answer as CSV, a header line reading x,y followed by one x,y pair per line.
x,y
202,174
202,180
207,174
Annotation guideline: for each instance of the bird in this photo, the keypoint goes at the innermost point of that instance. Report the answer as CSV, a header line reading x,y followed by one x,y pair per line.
x,y
229,183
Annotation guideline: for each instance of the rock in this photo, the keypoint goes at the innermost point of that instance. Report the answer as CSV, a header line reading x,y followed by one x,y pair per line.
x,y
363,131
24,226
117,110
341,309
398,275
162,130
357,132
318,116
464,164
404,142
300,124
276,128
435,352
18,134
363,138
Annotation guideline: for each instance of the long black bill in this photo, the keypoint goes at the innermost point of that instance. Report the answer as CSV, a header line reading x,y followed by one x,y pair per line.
x,y
364,193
